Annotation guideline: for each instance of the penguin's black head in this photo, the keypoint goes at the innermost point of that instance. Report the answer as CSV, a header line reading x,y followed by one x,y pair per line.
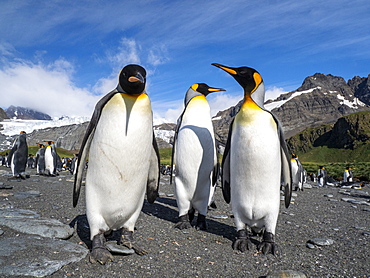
x,y
204,89
247,77
132,79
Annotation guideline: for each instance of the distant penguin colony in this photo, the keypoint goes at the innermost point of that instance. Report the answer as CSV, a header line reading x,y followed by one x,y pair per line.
x,y
123,163
195,157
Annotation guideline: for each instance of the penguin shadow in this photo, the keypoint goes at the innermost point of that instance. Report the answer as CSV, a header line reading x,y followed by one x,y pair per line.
x,y
161,210
81,225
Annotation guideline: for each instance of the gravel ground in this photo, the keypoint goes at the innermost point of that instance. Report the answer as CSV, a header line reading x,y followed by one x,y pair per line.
x,y
192,253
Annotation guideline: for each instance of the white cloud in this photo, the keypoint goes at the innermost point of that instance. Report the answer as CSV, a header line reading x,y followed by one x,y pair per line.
x,y
274,92
45,87
222,101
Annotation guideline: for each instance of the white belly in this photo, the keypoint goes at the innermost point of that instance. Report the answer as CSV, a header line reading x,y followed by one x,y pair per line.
x,y
195,157
118,163
255,170
49,160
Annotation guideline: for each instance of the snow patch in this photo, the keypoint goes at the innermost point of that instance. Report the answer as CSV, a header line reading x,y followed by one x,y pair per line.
x,y
353,104
14,126
165,135
277,104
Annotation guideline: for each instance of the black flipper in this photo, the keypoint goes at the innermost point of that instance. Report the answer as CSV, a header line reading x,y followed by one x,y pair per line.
x,y
152,185
85,146
286,171
225,174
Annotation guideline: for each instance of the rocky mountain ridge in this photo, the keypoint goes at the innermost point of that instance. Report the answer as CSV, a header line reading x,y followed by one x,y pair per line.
x,y
349,132
17,112
321,99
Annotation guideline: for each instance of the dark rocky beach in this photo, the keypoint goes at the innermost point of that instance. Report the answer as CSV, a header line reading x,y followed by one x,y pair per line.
x,y
335,216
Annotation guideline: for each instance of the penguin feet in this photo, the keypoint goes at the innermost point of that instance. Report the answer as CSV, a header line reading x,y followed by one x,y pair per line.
x,y
242,241
127,240
201,223
184,222
99,252
268,244
191,214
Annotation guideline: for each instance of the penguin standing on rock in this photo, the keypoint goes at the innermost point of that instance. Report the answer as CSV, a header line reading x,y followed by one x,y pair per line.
x,y
18,155
255,162
123,163
195,157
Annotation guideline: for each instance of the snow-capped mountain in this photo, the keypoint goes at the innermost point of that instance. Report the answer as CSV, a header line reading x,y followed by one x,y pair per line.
x,y
14,126
322,99
22,113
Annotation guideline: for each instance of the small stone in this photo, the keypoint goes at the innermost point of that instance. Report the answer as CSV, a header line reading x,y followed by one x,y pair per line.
x,y
321,241
4,186
366,209
366,233
170,194
307,186
333,200
286,274
219,216
294,194
348,199
336,229
329,195
120,249
359,228
161,194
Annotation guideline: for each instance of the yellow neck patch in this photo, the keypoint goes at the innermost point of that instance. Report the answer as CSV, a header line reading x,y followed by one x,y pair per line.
x,y
257,79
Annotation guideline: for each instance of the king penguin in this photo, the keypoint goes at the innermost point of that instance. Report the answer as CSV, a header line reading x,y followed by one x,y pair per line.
x,y
18,156
297,173
123,163
255,162
40,159
51,159
195,157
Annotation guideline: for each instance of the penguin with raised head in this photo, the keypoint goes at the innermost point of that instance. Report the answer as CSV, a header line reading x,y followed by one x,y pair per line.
x,y
195,157
18,155
255,162
123,163
298,174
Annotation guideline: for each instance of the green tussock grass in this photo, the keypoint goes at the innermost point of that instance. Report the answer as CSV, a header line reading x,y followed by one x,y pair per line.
x,y
323,153
165,156
361,170
33,150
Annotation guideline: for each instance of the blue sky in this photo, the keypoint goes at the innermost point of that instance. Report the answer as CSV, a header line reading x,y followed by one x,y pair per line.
x,y
61,57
